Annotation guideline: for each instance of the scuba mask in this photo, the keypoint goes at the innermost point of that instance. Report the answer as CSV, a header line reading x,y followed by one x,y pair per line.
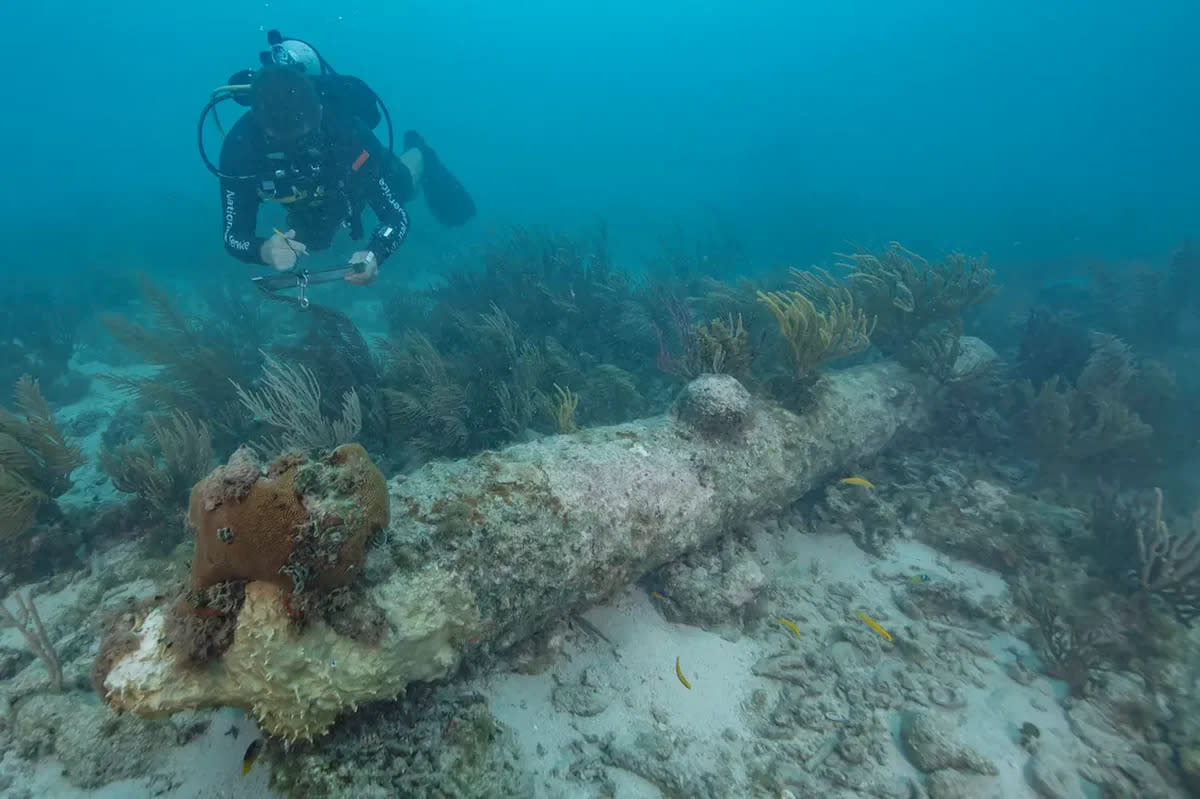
x,y
307,140
286,105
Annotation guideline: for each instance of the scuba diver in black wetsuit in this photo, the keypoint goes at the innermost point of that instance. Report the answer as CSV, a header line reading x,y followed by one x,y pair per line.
x,y
307,143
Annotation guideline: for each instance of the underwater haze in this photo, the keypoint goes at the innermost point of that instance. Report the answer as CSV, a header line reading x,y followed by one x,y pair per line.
x,y
1040,129
709,400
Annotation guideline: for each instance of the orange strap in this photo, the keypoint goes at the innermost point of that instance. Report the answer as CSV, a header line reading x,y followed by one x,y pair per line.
x,y
358,162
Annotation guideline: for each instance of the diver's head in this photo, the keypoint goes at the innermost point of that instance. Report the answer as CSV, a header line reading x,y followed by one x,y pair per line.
x,y
293,52
285,103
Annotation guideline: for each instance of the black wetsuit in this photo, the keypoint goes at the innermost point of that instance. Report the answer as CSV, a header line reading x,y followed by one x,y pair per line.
x,y
331,178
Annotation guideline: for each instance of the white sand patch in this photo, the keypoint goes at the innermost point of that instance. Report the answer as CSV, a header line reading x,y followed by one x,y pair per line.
x,y
646,691
996,708
646,688
208,767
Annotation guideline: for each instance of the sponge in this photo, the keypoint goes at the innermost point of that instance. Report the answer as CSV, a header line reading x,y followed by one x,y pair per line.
x,y
300,524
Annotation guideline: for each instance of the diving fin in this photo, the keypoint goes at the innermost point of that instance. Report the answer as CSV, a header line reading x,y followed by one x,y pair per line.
x,y
448,201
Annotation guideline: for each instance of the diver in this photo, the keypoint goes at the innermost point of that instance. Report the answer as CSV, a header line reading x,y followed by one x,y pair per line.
x,y
307,143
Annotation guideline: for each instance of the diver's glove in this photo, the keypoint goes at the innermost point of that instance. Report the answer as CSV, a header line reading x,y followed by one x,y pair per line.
x,y
281,251
367,268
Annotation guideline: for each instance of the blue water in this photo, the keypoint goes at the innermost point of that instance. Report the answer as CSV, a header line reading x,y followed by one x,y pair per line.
x,y
1056,136
1033,130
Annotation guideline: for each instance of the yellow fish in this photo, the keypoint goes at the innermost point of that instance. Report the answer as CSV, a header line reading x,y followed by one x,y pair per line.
x,y
791,626
874,625
252,752
856,481
679,674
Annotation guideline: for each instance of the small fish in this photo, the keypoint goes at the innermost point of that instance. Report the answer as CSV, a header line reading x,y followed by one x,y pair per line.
x,y
791,626
679,674
659,595
252,753
919,578
232,731
856,481
874,625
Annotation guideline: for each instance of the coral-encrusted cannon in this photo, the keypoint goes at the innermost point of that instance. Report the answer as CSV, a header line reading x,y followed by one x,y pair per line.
x,y
535,532
272,545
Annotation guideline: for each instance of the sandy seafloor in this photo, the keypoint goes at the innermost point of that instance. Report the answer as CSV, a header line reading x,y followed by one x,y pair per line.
x,y
647,694
626,695
640,690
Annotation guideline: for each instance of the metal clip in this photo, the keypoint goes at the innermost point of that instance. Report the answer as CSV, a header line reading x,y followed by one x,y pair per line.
x,y
301,279
302,284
